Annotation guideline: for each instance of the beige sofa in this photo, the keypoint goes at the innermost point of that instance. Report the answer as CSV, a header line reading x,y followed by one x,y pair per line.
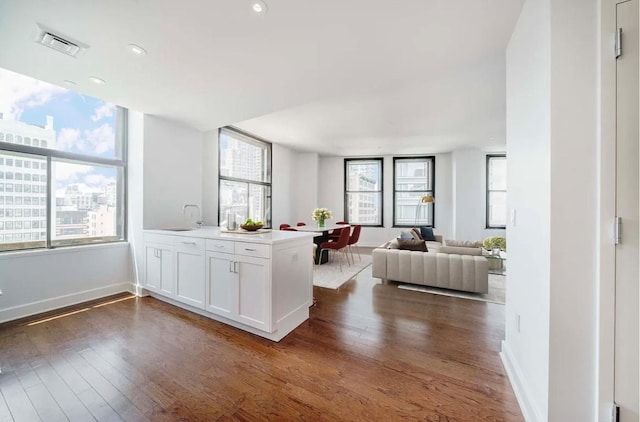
x,y
459,268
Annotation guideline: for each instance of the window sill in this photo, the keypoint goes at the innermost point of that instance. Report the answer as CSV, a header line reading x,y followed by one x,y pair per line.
x,y
27,253
496,228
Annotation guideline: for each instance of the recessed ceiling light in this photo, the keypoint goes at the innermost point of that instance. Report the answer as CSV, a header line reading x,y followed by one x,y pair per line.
x,y
258,7
68,82
96,80
136,49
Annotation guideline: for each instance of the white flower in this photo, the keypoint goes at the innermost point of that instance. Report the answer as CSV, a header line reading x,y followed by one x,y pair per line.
x,y
321,214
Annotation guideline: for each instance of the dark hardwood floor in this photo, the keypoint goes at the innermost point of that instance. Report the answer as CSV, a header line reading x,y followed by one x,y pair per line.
x,y
369,352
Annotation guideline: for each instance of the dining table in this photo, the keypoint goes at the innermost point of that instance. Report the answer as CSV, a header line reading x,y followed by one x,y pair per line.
x,y
323,236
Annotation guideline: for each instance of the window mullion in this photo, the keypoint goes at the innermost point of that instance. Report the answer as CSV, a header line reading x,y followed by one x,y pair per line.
x,y
49,224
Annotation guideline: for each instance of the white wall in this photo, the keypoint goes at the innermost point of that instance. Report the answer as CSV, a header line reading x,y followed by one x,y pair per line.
x,y
306,183
135,192
573,308
172,172
551,144
469,168
282,185
526,351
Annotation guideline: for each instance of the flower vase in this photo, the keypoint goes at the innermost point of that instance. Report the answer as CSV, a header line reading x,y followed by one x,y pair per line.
x,y
321,223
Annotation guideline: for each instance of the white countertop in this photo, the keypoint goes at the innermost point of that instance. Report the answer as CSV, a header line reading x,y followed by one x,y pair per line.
x,y
213,232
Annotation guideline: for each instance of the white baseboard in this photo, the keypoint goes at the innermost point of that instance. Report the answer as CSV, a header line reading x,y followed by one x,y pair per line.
x,y
22,311
529,408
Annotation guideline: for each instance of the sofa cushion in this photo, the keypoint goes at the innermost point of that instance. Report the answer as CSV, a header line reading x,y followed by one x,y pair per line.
x,y
463,243
416,233
459,250
426,233
412,245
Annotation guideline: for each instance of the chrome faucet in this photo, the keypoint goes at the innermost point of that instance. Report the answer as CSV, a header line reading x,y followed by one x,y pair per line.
x,y
200,221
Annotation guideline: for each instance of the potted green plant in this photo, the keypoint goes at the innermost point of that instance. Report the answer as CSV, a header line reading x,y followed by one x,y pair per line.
x,y
495,244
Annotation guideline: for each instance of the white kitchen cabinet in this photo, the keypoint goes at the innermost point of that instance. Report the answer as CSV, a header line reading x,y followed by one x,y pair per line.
x,y
190,271
260,283
239,287
159,274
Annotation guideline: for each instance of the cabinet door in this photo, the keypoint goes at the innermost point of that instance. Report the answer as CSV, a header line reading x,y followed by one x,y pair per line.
x,y
152,267
222,285
254,292
167,271
190,282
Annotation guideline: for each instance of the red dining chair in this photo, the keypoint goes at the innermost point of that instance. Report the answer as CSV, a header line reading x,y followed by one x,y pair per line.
x,y
353,241
301,223
290,229
284,226
338,246
335,234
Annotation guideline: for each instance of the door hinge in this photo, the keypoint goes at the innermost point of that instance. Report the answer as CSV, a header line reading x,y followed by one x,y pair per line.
x,y
618,42
615,413
617,230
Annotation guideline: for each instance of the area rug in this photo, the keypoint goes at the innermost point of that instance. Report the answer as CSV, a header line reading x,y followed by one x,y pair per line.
x,y
329,275
496,290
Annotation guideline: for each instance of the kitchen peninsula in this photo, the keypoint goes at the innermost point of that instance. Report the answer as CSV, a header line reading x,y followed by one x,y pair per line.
x,y
259,282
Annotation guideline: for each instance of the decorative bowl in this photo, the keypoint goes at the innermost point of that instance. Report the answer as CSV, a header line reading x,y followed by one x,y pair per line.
x,y
252,227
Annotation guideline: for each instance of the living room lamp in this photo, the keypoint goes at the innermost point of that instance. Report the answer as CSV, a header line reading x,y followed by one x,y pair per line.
x,y
424,200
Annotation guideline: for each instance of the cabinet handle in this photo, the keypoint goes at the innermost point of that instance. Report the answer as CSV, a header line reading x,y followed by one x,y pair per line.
x,y
189,243
231,270
235,267
250,250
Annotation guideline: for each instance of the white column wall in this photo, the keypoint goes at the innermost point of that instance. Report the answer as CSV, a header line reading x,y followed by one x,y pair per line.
x,y
526,346
574,116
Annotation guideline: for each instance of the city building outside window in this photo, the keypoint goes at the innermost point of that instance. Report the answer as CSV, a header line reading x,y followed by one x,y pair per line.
x,y
496,191
363,202
62,166
413,178
244,177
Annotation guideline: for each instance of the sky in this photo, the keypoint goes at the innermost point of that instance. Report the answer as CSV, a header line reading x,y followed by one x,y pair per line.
x,y
83,124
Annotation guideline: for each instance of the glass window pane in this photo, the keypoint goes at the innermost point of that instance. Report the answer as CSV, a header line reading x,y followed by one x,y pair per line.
x,y
244,158
410,211
497,209
234,198
497,173
85,204
364,208
364,175
413,174
17,224
48,116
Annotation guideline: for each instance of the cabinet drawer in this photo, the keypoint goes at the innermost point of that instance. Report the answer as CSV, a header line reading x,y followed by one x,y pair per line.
x,y
253,249
159,238
225,246
189,244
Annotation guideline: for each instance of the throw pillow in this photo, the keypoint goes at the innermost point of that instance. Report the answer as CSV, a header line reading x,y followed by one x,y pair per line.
x,y
406,235
412,245
426,233
416,233
463,243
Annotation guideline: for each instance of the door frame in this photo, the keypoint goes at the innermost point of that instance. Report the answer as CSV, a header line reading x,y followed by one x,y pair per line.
x,y
606,253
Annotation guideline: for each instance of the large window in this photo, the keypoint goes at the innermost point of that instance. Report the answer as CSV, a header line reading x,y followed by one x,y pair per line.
x,y
245,177
496,191
363,191
413,179
62,166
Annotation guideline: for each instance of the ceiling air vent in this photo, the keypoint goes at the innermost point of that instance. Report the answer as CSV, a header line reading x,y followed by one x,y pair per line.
x,y
59,42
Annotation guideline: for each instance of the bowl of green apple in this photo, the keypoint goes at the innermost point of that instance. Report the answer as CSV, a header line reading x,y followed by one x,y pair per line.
x,y
251,225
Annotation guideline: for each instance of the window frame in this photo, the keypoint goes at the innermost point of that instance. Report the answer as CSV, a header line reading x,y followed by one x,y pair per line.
x,y
269,163
432,176
488,192
345,216
49,155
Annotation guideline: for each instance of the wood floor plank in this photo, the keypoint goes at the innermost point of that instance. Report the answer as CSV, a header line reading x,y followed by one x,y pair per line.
x,y
17,399
369,351
45,404
5,413
70,404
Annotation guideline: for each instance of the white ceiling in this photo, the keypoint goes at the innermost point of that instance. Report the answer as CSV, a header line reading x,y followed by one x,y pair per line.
x,y
333,76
